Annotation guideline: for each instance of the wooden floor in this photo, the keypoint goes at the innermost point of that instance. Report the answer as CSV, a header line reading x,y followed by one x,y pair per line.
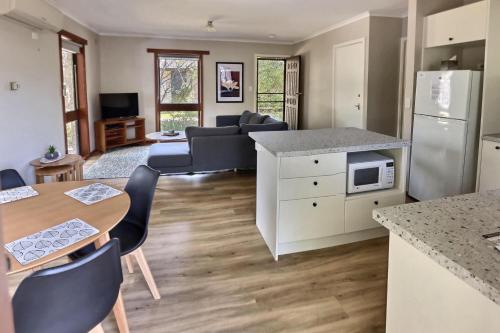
x,y
215,273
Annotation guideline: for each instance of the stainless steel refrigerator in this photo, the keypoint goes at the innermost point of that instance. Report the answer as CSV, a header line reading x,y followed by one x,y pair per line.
x,y
445,134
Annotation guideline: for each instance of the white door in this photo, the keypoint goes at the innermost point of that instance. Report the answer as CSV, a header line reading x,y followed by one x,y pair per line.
x,y
437,157
349,84
443,94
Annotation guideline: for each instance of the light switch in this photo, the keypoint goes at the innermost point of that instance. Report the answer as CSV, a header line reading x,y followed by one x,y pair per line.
x,y
14,85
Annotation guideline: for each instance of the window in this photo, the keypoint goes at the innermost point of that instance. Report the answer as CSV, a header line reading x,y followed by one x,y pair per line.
x,y
271,87
179,88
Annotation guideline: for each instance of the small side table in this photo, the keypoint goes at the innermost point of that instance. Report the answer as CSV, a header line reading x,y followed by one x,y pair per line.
x,y
68,168
158,137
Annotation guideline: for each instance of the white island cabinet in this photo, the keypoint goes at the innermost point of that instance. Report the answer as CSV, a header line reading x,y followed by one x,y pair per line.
x,y
302,202
443,273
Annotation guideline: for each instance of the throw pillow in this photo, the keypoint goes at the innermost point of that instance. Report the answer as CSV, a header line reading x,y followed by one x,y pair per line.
x,y
245,117
257,118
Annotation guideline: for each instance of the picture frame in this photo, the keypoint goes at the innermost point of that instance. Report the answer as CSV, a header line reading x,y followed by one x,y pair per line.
x,y
229,82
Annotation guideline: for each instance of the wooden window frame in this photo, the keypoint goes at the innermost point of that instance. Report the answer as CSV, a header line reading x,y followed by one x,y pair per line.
x,y
178,107
257,84
82,112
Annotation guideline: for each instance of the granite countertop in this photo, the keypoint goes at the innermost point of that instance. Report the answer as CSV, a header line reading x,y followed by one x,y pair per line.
x,y
492,137
324,141
449,231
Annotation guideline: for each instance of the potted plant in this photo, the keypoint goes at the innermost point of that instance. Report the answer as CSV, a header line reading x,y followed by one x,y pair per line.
x,y
51,153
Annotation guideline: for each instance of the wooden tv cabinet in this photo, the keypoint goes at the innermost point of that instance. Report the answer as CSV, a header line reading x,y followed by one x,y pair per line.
x,y
118,132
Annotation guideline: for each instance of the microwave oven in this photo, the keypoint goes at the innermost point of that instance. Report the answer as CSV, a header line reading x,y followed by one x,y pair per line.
x,y
369,171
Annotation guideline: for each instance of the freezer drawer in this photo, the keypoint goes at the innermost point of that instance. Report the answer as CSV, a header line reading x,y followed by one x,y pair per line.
x,y
444,94
437,158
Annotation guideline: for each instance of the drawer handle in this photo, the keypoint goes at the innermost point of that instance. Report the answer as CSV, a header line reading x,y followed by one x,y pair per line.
x,y
497,147
315,204
316,161
315,183
451,38
376,202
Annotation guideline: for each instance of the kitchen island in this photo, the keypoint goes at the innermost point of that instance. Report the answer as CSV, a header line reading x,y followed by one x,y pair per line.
x,y
302,202
444,276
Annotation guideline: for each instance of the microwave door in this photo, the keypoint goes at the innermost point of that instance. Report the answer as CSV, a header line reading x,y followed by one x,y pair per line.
x,y
364,177
367,176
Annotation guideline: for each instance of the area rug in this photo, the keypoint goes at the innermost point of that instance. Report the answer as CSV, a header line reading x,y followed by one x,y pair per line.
x,y
117,163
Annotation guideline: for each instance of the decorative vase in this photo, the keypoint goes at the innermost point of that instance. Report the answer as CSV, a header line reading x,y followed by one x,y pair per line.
x,y
52,156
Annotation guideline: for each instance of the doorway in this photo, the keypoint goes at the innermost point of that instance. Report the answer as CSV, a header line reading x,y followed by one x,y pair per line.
x,y
349,84
74,93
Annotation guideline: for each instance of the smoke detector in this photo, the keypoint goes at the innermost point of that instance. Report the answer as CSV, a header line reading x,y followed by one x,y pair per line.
x,y
210,26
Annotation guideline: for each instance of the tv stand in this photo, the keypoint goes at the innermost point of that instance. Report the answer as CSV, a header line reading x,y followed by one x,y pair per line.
x,y
118,132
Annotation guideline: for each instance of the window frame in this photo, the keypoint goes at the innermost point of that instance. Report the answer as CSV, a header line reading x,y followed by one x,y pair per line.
x,y
277,58
170,107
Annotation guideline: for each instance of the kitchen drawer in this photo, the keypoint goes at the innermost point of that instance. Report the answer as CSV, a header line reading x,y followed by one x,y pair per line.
x,y
314,165
358,212
489,178
311,187
310,218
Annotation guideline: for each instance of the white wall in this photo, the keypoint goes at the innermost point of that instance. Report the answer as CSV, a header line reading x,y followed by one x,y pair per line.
x,y
31,118
127,67
382,37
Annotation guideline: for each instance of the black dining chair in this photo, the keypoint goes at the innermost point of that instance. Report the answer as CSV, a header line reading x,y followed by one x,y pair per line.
x,y
132,231
74,297
10,178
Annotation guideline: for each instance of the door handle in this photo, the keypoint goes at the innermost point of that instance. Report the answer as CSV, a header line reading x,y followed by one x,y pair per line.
x,y
358,106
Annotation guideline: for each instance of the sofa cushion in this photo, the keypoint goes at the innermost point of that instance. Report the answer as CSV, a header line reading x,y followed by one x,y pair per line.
x,y
257,118
165,155
247,128
271,120
245,117
192,131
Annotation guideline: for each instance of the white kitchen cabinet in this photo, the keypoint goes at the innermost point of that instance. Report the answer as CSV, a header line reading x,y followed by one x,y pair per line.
x,y
489,177
313,165
311,218
460,25
310,187
358,210
302,202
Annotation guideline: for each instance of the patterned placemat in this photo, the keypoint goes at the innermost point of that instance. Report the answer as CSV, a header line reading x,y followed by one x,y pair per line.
x,y
17,193
93,193
45,242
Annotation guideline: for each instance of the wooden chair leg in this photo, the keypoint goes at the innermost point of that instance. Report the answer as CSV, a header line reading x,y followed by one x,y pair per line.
x,y
130,265
97,329
143,264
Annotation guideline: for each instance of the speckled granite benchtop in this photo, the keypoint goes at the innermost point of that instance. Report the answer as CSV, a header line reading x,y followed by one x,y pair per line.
x,y
324,141
492,137
449,231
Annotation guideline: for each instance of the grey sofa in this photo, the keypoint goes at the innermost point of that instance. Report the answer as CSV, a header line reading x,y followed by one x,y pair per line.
x,y
226,146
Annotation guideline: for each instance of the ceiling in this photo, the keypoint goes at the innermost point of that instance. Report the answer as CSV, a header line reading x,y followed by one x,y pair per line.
x,y
244,20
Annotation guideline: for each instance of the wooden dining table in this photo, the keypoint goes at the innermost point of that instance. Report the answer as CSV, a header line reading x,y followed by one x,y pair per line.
x,y
52,207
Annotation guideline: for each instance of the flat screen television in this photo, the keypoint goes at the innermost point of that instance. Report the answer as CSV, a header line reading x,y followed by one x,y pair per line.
x,y
122,105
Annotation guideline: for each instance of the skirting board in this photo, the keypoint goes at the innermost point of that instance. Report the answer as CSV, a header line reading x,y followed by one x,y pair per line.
x,y
321,243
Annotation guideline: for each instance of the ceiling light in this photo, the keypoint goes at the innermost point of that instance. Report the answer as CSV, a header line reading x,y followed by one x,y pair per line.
x,y
210,26
272,36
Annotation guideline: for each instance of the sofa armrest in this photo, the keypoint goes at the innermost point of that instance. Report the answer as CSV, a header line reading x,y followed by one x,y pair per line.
x,y
230,120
